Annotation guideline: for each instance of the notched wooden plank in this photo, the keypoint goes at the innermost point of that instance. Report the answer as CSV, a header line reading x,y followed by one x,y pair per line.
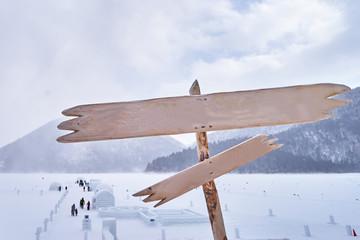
x,y
187,114
209,169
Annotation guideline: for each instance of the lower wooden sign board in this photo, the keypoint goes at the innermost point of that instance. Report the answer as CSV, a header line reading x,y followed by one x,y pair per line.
x,y
209,169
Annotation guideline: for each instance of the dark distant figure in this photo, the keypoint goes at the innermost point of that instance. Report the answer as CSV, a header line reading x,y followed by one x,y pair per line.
x,y
82,203
88,205
88,188
84,188
76,212
65,187
72,209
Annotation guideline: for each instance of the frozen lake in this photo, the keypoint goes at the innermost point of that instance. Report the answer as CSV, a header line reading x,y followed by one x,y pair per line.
x,y
295,200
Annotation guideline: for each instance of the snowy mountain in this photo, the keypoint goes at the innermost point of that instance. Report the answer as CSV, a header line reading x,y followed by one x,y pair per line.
x,y
330,145
39,151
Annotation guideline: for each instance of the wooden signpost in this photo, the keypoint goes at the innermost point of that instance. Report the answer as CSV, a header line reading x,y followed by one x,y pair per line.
x,y
197,114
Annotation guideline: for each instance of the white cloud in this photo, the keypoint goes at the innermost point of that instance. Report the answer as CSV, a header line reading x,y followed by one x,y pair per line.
x,y
285,23
279,39
56,54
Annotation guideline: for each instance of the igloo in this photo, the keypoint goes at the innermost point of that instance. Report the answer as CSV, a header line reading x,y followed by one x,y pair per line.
x,y
103,198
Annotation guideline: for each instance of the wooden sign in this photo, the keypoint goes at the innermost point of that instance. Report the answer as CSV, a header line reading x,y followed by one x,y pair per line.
x,y
209,169
198,114
211,112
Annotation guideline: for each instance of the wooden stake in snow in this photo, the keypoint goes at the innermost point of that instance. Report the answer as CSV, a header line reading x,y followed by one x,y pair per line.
x,y
237,235
307,230
51,215
46,220
37,233
209,188
271,213
163,234
348,230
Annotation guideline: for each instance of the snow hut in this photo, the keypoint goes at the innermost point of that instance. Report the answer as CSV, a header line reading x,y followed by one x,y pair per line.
x,y
103,198
54,186
103,186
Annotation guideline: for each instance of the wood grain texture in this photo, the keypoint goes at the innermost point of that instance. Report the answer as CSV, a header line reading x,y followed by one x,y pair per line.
x,y
211,112
210,192
209,169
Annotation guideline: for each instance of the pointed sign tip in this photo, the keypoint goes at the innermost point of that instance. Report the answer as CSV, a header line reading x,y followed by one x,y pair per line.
x,y
195,88
164,200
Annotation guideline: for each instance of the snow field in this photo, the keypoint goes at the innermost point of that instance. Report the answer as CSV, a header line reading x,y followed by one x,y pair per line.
x,y
296,200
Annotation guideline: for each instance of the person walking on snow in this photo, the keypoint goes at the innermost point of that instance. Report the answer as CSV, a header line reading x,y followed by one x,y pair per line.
x,y
72,209
82,203
88,205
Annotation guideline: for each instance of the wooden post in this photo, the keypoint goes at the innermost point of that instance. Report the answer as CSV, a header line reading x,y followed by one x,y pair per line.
x,y
210,192
307,230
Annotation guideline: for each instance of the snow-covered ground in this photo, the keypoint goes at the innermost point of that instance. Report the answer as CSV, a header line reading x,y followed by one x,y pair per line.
x,y
295,199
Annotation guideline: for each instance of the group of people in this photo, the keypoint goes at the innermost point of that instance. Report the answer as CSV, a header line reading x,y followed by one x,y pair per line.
x,y
85,185
82,203
74,210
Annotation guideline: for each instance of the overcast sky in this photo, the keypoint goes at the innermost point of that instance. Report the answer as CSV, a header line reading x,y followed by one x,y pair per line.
x,y
61,53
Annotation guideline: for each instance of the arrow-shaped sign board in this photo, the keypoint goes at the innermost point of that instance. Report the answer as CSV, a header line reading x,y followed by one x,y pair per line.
x,y
212,112
209,169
